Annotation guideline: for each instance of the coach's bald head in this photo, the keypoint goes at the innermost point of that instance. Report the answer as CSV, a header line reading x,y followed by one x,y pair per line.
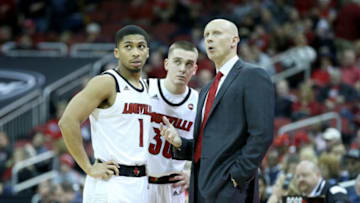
x,y
226,25
221,39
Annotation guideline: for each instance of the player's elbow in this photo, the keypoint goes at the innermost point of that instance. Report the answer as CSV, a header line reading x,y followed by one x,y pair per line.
x,y
64,123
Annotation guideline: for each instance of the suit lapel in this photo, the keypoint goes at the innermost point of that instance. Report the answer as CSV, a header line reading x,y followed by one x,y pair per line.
x,y
235,70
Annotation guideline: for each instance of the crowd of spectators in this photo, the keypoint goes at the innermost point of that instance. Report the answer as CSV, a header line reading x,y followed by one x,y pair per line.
x,y
321,35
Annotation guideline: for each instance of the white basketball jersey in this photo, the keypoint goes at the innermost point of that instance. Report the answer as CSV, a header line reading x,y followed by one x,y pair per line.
x,y
181,116
121,132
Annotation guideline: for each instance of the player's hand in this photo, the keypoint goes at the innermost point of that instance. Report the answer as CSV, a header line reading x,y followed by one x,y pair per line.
x,y
170,133
183,181
104,170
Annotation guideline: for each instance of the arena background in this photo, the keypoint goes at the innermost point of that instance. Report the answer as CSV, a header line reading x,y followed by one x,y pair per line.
x,y
50,48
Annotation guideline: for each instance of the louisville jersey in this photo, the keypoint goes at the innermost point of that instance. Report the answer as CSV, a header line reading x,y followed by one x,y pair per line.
x,y
121,132
181,115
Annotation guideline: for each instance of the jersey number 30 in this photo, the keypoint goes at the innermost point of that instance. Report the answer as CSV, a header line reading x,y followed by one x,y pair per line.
x,y
155,148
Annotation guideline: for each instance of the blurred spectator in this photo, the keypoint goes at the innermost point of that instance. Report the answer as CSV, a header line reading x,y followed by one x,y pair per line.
x,y
21,154
332,137
36,10
350,72
268,21
246,53
336,93
5,189
93,31
38,142
280,10
262,59
301,55
6,152
5,34
51,128
8,15
42,194
285,184
284,100
338,150
354,191
321,76
305,105
29,38
65,15
260,38
308,154
352,158
204,77
71,195
311,184
273,168
347,22
155,68
66,172
329,166
355,144
141,11
262,190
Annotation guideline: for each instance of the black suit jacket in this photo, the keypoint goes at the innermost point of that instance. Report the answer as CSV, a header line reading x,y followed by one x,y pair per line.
x,y
238,132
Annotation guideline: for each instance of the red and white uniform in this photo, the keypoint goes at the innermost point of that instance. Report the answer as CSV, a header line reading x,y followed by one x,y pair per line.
x,y
120,133
181,111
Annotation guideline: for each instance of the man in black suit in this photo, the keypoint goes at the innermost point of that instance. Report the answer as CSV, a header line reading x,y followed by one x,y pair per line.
x,y
310,183
233,126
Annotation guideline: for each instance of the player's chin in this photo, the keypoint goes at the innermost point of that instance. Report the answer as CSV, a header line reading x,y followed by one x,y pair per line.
x,y
135,69
180,82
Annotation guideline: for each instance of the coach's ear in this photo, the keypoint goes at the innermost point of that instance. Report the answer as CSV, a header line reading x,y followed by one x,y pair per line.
x,y
166,63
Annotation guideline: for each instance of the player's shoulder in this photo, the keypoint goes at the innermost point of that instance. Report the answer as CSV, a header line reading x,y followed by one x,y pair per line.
x,y
102,82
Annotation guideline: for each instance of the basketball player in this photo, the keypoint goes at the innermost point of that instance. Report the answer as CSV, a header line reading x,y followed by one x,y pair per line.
x,y
119,108
171,97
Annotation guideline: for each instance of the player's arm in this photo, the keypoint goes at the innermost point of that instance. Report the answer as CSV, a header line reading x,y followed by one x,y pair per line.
x,y
182,148
98,90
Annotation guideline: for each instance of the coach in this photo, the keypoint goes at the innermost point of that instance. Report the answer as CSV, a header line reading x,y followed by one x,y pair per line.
x,y
233,126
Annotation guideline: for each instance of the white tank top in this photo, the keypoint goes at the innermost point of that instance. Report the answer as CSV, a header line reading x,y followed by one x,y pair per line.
x,y
121,132
181,115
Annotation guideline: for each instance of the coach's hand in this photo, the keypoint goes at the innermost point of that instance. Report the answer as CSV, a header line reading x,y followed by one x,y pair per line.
x,y
183,181
170,133
104,170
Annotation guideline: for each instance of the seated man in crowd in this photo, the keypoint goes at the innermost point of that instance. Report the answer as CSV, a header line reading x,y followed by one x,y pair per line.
x,y
311,184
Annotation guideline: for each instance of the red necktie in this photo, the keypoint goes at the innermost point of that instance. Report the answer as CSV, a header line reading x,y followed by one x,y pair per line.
x,y
209,103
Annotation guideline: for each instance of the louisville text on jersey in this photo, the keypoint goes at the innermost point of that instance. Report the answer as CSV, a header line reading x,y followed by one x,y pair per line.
x,y
135,108
176,122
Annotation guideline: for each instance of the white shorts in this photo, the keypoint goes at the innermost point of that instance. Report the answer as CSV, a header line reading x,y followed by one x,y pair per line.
x,y
118,189
165,193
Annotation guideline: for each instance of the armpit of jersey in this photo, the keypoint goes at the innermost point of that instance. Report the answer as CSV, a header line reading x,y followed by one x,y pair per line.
x,y
337,189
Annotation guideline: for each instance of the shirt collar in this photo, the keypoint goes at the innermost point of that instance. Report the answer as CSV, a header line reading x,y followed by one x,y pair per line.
x,y
225,69
317,190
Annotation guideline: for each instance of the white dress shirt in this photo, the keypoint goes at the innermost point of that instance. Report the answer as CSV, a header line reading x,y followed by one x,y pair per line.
x,y
225,69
